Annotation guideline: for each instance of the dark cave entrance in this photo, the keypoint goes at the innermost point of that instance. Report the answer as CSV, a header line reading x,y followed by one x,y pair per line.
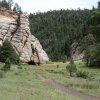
x,y
31,63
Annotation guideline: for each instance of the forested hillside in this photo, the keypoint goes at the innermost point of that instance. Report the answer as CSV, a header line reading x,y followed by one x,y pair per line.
x,y
58,30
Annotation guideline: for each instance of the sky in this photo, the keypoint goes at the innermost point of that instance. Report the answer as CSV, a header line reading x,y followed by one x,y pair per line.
x,y
33,6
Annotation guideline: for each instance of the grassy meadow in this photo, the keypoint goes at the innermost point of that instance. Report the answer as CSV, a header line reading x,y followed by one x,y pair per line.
x,y
22,82
90,85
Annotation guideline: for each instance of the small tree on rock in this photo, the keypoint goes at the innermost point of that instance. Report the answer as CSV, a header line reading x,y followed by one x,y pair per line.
x,y
4,4
10,3
17,8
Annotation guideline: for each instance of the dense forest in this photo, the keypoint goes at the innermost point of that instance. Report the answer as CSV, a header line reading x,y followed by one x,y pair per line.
x,y
57,30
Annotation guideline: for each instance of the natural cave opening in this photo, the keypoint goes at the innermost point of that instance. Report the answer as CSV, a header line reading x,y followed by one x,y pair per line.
x,y
31,63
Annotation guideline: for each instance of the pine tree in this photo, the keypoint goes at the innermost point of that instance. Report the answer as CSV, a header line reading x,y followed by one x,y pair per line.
x,y
71,67
92,52
7,51
17,8
7,65
10,3
4,4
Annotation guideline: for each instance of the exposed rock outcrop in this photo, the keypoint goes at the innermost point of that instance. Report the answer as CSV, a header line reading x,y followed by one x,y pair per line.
x,y
76,54
15,28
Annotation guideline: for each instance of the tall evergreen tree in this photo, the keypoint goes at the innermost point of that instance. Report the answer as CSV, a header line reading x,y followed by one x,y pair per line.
x,y
7,51
17,8
10,3
4,4
92,52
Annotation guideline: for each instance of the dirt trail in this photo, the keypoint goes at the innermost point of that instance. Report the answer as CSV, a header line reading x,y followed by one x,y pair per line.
x,y
68,90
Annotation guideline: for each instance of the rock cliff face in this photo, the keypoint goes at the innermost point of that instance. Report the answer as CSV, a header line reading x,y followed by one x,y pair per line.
x,y
15,28
75,52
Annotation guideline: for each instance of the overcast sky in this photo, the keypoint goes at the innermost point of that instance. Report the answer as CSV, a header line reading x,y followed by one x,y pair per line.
x,y
46,5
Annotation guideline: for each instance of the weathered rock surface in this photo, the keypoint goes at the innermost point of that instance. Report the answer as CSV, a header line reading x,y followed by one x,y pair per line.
x,y
16,29
75,52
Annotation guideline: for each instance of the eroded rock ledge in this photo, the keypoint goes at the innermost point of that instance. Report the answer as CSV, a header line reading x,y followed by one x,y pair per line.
x,y
15,28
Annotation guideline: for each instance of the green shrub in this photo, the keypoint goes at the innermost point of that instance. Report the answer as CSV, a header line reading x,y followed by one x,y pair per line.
x,y
71,67
7,51
1,74
92,55
64,59
82,74
7,65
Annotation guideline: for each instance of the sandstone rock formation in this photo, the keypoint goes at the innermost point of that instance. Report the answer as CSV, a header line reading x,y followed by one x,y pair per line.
x,y
75,51
15,28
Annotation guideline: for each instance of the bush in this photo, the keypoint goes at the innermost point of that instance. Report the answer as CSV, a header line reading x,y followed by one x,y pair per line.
x,y
64,60
7,51
7,65
1,74
71,68
82,74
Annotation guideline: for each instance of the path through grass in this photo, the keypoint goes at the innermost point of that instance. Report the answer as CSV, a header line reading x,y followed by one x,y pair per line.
x,y
22,83
89,86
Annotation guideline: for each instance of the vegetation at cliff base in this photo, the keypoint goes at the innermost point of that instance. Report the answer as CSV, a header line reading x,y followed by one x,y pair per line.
x,y
7,51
